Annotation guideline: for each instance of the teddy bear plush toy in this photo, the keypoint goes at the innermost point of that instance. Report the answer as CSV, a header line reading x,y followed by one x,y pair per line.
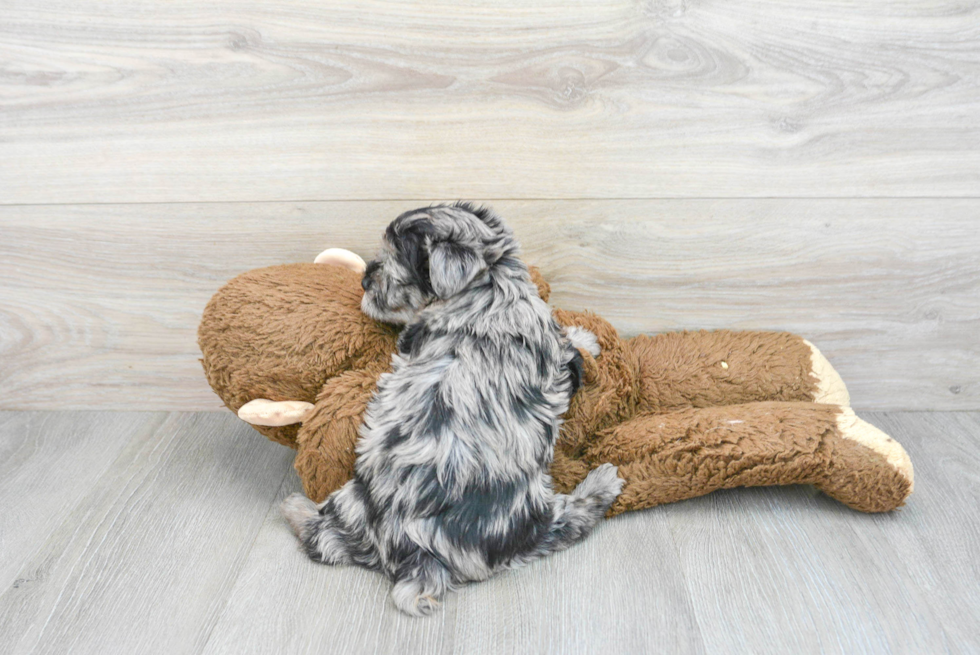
x,y
681,413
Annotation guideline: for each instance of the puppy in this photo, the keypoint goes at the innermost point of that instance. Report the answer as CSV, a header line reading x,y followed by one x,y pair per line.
x,y
451,481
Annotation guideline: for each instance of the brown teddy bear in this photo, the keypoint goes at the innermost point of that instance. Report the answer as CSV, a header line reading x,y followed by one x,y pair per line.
x,y
681,414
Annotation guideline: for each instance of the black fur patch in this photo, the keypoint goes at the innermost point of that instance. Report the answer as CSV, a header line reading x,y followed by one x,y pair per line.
x,y
470,524
394,437
439,415
367,280
528,403
576,371
411,338
485,214
411,243
360,491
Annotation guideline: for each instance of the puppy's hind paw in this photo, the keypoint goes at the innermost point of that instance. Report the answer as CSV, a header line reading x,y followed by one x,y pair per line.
x,y
412,600
298,510
602,484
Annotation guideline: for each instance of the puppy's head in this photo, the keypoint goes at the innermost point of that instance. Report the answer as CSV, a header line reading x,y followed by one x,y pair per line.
x,y
432,254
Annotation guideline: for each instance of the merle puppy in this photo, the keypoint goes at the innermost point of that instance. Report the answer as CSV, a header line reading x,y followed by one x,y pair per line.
x,y
451,482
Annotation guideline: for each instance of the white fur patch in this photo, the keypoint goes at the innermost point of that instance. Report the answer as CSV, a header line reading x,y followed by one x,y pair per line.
x,y
582,338
601,482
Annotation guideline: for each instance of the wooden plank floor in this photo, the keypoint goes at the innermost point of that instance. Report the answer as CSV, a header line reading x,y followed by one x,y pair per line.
x,y
159,533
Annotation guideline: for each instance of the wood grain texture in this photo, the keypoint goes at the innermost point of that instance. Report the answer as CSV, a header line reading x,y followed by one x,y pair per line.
x,y
49,462
936,552
178,547
789,570
139,101
569,603
145,559
99,305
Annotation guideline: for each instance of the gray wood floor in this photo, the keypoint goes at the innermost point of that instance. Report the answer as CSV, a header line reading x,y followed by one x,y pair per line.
x,y
151,532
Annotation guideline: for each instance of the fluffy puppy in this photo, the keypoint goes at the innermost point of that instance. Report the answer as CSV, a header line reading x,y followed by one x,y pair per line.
x,y
451,482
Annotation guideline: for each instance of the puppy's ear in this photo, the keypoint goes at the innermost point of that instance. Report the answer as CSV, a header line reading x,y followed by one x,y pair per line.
x,y
452,267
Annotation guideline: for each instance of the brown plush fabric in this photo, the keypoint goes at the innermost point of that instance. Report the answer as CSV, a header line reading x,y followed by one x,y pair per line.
x,y
609,392
669,457
682,413
690,452
282,332
862,479
329,434
544,289
704,369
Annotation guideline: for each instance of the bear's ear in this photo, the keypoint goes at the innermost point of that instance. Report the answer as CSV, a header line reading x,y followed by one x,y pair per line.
x,y
341,257
452,267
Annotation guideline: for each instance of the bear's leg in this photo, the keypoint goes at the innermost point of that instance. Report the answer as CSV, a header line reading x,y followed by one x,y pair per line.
x,y
327,441
669,457
710,368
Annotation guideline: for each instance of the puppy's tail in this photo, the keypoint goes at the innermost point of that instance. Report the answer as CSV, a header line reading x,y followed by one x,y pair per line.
x,y
577,513
336,531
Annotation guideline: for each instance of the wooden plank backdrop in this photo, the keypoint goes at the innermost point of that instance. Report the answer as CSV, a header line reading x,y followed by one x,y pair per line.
x,y
100,303
235,100
670,164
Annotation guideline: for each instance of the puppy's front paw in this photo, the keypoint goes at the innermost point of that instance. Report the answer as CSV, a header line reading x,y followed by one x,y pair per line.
x,y
583,339
602,484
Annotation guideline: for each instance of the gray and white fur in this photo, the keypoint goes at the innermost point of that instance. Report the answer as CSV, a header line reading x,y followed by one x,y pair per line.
x,y
451,482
